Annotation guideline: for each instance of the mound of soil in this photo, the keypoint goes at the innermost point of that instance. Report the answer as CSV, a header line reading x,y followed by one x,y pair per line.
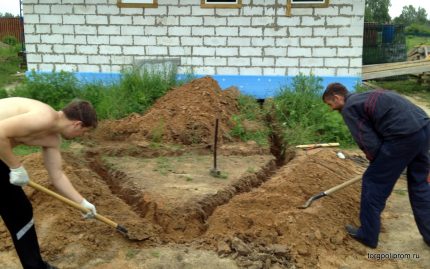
x,y
185,115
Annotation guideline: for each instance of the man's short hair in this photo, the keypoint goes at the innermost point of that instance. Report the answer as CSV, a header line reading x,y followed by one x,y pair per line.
x,y
334,89
83,111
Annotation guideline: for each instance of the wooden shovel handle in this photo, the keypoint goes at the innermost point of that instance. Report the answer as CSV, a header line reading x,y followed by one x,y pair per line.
x,y
70,202
343,185
322,145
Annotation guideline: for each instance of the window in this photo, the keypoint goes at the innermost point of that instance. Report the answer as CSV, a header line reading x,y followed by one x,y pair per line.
x,y
221,3
137,3
309,3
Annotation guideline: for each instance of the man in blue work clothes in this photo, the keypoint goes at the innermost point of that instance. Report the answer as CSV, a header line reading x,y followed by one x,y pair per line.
x,y
394,134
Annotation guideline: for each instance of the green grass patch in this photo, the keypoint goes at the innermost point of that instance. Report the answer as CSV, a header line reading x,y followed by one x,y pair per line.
x,y
412,41
9,66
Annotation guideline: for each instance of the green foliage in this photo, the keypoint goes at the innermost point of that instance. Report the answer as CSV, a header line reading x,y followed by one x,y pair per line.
x,y
303,115
412,41
418,29
3,93
377,11
7,15
10,40
410,15
248,124
9,64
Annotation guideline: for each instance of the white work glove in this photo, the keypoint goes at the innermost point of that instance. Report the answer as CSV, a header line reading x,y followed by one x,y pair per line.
x,y
18,176
92,213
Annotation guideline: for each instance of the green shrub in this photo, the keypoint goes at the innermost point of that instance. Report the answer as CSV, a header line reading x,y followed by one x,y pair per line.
x,y
3,93
10,40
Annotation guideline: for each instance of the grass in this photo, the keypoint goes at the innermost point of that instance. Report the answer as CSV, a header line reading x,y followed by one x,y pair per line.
x,y
22,150
9,65
412,41
405,85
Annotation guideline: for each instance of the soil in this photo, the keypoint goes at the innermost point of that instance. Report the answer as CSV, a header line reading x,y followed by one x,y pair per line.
x,y
178,215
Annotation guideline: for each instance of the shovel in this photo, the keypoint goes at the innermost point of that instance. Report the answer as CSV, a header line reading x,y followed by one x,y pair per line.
x,y
330,191
38,187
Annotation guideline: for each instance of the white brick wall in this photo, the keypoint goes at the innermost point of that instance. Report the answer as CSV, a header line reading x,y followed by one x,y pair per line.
x,y
257,39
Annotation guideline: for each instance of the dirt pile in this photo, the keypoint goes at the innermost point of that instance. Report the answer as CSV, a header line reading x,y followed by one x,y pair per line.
x,y
184,115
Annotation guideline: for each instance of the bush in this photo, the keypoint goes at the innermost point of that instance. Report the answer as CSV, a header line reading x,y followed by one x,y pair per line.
x,y
10,40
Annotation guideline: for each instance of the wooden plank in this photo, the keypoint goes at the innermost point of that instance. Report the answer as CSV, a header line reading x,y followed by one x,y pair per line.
x,y
395,69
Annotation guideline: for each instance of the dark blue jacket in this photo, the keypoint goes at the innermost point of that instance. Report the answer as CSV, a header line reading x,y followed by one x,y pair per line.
x,y
375,116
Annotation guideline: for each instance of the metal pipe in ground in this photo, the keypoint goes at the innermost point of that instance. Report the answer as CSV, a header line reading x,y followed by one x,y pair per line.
x,y
214,171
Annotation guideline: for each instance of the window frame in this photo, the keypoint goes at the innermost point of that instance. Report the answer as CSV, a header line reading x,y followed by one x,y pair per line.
x,y
143,4
298,3
221,4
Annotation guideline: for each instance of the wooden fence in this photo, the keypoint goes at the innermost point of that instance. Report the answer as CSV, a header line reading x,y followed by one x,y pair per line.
x,y
11,27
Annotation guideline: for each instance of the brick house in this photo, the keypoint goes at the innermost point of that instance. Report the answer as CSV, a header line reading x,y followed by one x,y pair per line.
x,y
256,45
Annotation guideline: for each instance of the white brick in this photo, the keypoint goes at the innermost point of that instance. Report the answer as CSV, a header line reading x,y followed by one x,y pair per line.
x,y
68,1
108,30
346,11
215,41
240,21
156,50
61,9
31,48
274,71
226,51
134,50
191,41
31,19
296,52
271,11
110,50
239,41
205,70
301,11
262,61
214,21
27,9
227,70
162,30
187,21
62,29
313,21
96,19
204,51
215,61
43,48
323,52
43,29
32,39
52,39
203,31
132,30
271,51
34,58
144,40
98,40
339,21
355,62
281,32
168,41
83,49
336,62
29,29
45,67
120,40
337,41
236,61
324,71
107,10
342,72
88,68
262,21
312,62
76,59
181,11
52,19
286,62
193,61
64,48
42,9
179,51
227,31
287,42
84,9
351,31
119,20
52,58
311,41
252,11
356,41
327,11
73,19
198,11
75,39
159,11
323,31
288,21
121,59
250,51
250,71
227,12
179,31
300,31
143,20
250,31
170,20
341,52
65,67
85,30
354,72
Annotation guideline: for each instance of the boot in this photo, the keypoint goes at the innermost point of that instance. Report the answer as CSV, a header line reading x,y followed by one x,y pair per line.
x,y
353,232
48,266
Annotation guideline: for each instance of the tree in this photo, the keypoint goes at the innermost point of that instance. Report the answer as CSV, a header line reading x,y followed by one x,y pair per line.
x,y
412,16
7,15
377,11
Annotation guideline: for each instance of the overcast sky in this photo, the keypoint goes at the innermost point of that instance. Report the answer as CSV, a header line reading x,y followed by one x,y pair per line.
x,y
12,6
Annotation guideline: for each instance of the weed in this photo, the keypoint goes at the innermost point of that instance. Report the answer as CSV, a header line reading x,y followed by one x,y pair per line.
x,y
23,150
131,253
188,178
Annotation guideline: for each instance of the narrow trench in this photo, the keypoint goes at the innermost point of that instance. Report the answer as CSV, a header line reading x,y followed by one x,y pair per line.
x,y
191,221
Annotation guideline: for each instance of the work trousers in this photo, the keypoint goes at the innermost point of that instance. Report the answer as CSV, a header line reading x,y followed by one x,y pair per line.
x,y
17,213
394,156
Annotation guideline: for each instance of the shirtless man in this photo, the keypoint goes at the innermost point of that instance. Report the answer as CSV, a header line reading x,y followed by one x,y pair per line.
x,y
30,122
